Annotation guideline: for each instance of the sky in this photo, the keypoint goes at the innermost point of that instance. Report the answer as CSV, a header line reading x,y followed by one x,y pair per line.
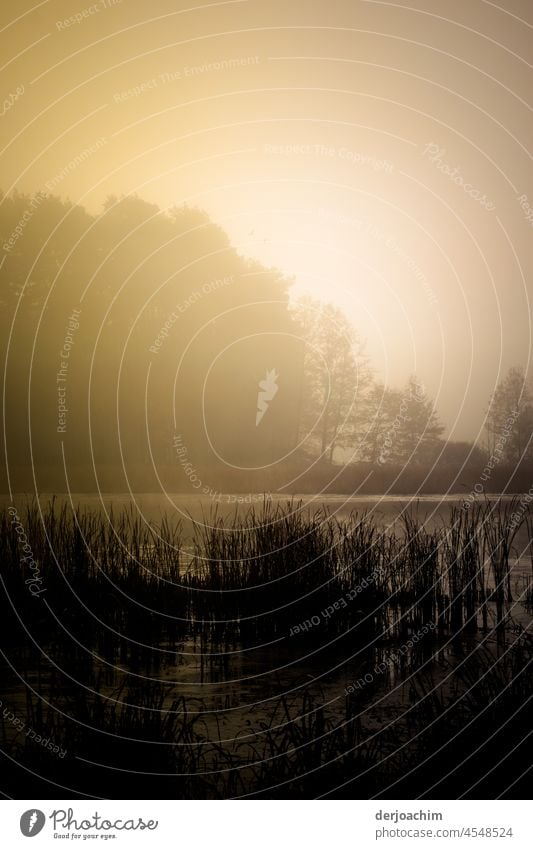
x,y
377,153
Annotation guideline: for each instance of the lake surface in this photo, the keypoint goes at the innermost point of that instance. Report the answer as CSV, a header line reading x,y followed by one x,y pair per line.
x,y
237,693
186,508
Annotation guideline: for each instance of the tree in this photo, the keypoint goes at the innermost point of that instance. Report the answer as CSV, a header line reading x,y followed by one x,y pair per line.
x,y
509,421
404,426
381,408
176,333
335,377
421,429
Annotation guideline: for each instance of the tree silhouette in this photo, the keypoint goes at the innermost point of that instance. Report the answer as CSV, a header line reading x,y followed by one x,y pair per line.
x,y
335,378
509,422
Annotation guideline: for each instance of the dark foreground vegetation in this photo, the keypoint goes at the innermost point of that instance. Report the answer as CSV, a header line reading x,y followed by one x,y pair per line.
x,y
289,655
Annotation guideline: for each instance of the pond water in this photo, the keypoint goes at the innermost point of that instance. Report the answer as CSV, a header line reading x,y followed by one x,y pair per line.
x,y
151,507
236,693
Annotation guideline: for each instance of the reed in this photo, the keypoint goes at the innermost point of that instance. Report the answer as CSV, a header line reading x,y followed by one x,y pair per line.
x,y
126,604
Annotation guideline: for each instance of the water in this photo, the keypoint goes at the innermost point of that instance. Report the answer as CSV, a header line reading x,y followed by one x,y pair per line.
x,y
184,508
236,693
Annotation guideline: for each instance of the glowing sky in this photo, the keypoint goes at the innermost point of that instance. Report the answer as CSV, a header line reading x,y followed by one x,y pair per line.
x,y
378,152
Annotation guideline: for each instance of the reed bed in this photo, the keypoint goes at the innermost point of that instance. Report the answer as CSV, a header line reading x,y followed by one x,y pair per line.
x,y
443,741
135,592
122,601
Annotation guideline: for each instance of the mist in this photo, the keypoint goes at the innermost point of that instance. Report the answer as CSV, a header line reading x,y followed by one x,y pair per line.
x,y
265,281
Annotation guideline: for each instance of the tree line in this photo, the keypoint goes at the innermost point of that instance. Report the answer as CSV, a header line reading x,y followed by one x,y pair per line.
x,y
127,330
